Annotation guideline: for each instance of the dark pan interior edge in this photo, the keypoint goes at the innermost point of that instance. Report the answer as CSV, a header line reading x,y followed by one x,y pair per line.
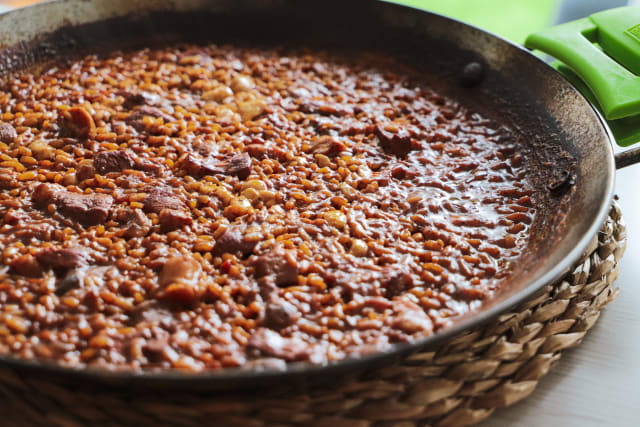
x,y
577,119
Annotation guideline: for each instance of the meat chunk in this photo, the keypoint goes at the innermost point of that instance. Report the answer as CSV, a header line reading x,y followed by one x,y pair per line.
x,y
132,100
135,119
238,165
7,133
207,149
270,343
232,241
192,165
86,170
263,151
158,349
280,314
149,166
112,161
26,265
395,280
137,224
171,219
87,209
8,181
46,193
327,145
13,216
410,318
258,151
86,276
63,259
397,143
76,122
280,264
179,269
179,279
161,198
150,312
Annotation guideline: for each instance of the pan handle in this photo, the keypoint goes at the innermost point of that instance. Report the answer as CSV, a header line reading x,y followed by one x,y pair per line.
x,y
626,131
600,56
628,158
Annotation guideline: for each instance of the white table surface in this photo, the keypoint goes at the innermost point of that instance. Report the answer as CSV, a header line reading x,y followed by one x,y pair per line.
x,y
598,382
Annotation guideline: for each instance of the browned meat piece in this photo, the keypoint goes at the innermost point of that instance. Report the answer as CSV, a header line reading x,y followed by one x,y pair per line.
x,y
238,165
402,172
207,149
71,280
325,108
13,216
262,151
132,100
136,117
148,166
232,241
179,279
396,143
82,276
193,165
150,312
280,314
46,193
76,122
62,259
258,151
26,265
410,318
161,198
158,349
270,343
280,264
7,181
137,224
87,209
86,170
171,219
181,269
112,161
327,145
7,133
395,280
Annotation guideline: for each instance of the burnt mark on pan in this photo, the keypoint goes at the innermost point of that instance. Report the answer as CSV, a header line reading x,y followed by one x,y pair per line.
x,y
561,182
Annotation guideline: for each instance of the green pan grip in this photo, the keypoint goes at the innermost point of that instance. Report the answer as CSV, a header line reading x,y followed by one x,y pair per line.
x,y
625,130
601,56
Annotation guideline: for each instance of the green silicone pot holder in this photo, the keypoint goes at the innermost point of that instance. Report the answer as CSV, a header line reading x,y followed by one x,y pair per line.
x,y
600,55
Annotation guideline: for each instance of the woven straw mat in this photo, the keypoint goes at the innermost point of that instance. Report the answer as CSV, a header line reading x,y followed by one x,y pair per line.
x,y
460,384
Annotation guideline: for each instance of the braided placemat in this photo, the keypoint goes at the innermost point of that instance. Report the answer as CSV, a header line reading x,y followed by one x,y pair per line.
x,y
460,384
